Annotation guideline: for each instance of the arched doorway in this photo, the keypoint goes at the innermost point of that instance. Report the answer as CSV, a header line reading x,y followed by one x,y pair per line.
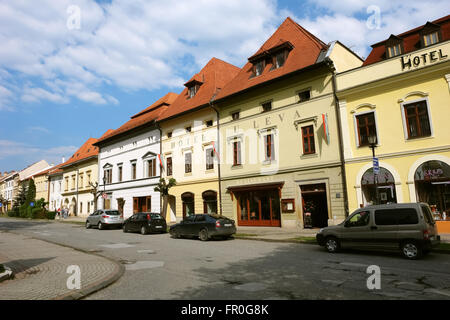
x,y
209,201
73,207
385,184
188,204
432,182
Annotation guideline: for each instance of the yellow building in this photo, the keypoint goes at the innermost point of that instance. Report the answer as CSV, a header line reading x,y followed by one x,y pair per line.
x,y
189,139
281,163
78,172
41,182
399,101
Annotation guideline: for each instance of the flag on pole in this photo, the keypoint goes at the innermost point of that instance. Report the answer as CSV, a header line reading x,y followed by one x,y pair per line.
x,y
326,131
161,163
215,151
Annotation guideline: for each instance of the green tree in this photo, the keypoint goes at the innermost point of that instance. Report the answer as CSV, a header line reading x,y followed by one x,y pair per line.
x,y
21,196
95,192
31,192
164,188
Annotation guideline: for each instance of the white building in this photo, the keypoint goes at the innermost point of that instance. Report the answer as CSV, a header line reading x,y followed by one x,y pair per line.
x,y
55,176
129,164
11,185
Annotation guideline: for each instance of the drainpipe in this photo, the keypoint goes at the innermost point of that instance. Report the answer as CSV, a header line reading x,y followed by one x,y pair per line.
x,y
340,135
211,104
160,173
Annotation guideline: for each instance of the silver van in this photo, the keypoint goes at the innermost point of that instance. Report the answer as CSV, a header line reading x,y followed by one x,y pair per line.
x,y
407,226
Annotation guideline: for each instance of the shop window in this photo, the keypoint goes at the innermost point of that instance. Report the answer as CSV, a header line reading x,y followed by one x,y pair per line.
x,y
309,146
383,181
432,182
259,207
417,119
366,127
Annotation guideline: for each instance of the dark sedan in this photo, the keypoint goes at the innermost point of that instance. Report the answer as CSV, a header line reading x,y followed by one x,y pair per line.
x,y
205,226
145,222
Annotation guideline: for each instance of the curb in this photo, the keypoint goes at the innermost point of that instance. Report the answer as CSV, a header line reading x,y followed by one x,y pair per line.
x,y
7,274
442,251
82,293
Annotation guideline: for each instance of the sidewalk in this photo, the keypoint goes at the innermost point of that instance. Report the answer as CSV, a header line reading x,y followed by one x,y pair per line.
x,y
289,234
40,269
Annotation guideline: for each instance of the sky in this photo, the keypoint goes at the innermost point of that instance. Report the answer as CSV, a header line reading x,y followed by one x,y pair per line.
x,y
72,69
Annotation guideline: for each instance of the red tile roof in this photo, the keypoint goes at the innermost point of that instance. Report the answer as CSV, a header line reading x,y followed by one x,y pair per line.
x,y
214,76
87,150
411,41
305,52
142,118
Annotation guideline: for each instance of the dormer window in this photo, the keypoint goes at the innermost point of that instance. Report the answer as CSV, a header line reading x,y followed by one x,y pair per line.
x,y
394,50
430,39
193,90
279,59
394,46
258,67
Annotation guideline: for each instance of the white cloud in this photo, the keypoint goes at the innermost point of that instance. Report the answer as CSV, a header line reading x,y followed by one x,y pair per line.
x,y
130,44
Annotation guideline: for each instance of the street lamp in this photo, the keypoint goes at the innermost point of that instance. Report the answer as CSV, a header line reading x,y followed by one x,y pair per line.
x,y
373,144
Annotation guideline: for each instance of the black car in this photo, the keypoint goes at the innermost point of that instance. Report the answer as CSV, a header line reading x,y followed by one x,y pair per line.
x,y
205,226
145,222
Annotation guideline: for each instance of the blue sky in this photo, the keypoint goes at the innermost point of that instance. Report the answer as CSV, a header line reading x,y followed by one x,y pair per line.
x,y
72,69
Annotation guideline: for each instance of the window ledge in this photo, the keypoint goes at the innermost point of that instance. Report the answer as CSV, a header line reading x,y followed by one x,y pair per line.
x,y
418,139
309,156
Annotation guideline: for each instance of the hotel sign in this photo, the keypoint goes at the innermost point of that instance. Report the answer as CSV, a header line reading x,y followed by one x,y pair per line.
x,y
410,61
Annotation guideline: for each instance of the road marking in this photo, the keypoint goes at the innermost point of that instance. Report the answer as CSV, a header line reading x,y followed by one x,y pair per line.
x,y
139,265
116,245
146,251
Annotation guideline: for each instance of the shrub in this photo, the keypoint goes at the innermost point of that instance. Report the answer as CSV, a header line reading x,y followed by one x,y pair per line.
x,y
11,213
38,213
51,215
23,211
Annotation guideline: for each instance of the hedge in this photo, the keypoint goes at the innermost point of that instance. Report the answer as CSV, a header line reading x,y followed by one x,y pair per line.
x,y
51,215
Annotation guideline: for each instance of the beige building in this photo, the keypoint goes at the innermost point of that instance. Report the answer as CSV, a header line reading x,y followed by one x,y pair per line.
x,y
281,161
189,140
78,171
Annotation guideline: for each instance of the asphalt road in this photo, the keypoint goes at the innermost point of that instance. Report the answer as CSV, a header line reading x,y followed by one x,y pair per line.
x,y
159,267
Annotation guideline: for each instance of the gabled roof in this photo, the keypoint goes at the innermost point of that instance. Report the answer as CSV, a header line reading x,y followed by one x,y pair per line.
x,y
304,47
142,118
410,40
56,170
214,76
86,151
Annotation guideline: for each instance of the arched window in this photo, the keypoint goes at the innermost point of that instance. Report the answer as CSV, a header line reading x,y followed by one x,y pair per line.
x,y
188,204
209,201
432,181
385,185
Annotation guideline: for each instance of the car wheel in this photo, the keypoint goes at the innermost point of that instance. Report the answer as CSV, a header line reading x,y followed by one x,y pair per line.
x,y
88,225
332,244
143,230
411,250
100,226
203,235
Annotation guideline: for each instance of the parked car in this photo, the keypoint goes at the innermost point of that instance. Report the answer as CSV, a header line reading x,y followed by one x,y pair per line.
x,y
145,222
205,226
104,218
409,227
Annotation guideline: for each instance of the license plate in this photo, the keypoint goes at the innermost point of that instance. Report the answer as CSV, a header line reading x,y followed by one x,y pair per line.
x,y
157,227
227,224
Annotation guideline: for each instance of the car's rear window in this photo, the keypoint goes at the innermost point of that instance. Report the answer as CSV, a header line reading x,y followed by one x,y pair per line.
x,y
113,213
427,214
385,217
